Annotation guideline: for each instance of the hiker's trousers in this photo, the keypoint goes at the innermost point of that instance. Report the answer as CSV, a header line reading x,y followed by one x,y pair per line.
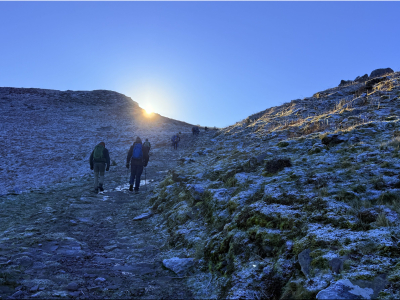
x,y
175,145
99,169
136,172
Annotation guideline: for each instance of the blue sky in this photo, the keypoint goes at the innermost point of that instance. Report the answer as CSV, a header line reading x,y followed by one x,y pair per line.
x,y
207,63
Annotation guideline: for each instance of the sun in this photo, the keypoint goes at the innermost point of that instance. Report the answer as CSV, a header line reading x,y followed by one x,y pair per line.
x,y
148,111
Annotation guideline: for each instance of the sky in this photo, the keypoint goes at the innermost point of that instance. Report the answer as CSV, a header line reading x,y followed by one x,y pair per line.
x,y
206,63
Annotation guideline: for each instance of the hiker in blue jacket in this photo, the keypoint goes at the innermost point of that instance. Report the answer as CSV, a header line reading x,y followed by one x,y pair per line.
x,y
138,159
99,162
175,140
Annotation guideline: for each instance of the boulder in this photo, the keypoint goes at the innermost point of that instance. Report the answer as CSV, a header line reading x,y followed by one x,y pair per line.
x,y
305,261
180,266
345,289
333,139
380,72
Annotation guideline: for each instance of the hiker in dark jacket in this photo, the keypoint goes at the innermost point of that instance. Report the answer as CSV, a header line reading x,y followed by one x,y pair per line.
x,y
175,140
99,162
138,159
195,130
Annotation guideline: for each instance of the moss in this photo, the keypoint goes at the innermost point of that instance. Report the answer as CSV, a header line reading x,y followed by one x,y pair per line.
x,y
231,182
283,144
346,196
316,253
365,276
314,151
385,164
346,164
166,182
359,188
232,205
267,174
388,198
320,263
378,183
295,290
343,252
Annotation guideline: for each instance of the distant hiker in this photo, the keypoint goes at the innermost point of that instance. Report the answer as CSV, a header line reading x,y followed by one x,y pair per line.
x,y
206,129
99,162
175,140
147,145
195,130
138,158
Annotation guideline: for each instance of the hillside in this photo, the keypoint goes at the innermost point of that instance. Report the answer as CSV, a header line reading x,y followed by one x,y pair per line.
x,y
48,135
299,201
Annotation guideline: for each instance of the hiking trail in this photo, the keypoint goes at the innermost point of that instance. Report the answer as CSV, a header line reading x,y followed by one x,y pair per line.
x,y
65,241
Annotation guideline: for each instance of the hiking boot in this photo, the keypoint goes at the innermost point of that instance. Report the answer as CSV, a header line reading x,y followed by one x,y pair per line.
x,y
131,187
96,190
136,191
101,188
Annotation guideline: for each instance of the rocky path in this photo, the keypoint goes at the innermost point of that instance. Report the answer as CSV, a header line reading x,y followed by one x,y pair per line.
x,y
67,242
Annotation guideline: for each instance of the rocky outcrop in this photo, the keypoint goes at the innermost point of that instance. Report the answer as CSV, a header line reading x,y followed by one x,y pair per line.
x,y
380,72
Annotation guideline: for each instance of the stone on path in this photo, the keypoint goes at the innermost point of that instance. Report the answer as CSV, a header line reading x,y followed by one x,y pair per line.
x,y
143,216
180,266
72,286
344,289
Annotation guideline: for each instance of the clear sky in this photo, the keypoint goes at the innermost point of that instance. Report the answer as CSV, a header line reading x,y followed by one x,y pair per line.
x,y
207,63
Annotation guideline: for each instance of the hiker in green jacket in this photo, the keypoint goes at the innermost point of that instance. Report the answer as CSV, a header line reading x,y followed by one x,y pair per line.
x,y
147,145
99,162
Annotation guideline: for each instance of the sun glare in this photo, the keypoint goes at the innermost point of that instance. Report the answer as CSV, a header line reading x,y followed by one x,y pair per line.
x,y
148,111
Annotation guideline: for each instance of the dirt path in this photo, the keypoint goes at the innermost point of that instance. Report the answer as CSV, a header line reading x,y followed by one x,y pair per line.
x,y
66,241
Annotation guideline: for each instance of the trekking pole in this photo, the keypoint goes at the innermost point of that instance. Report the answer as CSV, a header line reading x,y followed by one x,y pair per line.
x,y
145,182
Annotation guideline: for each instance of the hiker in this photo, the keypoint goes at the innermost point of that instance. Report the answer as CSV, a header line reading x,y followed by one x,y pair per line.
x,y
99,162
147,145
206,129
175,140
138,159
195,130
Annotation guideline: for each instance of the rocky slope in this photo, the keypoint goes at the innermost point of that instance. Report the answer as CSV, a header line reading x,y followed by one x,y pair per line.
x,y
299,201
47,135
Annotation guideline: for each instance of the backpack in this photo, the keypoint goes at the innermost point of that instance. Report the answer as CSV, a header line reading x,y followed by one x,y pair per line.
x,y
174,139
98,154
146,145
137,152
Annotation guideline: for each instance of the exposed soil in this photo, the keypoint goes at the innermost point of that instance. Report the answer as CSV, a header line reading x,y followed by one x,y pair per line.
x,y
66,241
